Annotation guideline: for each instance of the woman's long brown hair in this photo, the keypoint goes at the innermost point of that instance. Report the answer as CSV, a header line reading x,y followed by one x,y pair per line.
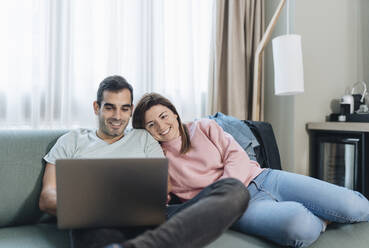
x,y
148,101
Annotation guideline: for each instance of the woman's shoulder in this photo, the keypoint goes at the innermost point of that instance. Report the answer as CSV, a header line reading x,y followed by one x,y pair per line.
x,y
204,124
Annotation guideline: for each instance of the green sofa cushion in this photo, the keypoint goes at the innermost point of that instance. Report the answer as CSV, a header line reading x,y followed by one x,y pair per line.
x,y
336,235
47,235
21,171
343,236
34,236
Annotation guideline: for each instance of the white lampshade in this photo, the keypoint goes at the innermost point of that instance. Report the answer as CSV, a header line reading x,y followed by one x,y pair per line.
x,y
288,66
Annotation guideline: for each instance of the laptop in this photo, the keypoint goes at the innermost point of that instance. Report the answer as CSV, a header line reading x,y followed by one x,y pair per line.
x,y
111,192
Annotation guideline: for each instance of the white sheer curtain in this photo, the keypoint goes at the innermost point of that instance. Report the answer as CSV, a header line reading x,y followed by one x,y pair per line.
x,y
54,53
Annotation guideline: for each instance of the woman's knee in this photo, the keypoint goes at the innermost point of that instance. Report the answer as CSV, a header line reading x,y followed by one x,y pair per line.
x,y
355,208
301,229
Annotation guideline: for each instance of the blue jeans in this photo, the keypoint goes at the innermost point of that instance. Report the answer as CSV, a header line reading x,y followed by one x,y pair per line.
x,y
290,209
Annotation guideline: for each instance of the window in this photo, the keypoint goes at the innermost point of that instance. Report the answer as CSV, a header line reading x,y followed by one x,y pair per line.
x,y
57,52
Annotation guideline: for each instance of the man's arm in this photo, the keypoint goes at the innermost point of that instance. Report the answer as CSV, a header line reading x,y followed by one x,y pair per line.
x,y
47,201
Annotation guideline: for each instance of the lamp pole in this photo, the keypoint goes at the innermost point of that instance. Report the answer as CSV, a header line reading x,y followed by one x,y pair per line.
x,y
257,104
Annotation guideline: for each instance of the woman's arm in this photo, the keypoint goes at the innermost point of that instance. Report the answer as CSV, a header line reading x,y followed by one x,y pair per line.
x,y
236,162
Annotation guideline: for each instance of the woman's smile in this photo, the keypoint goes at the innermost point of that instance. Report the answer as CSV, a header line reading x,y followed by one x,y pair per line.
x,y
165,131
162,123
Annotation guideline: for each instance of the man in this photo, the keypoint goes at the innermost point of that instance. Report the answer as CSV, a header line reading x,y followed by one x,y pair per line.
x,y
191,224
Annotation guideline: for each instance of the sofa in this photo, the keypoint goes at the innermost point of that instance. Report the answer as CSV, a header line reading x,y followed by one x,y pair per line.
x,y
22,224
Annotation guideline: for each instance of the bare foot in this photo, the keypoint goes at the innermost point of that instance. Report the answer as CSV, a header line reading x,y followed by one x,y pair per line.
x,y
325,224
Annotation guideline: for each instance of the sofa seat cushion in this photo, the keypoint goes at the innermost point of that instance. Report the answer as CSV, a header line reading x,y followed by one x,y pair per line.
x,y
343,236
336,235
34,236
232,239
47,235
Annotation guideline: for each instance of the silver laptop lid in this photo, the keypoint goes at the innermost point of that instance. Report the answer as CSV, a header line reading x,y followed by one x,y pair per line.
x,y
111,192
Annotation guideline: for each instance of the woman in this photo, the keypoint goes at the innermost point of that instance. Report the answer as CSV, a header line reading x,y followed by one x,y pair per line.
x,y
287,208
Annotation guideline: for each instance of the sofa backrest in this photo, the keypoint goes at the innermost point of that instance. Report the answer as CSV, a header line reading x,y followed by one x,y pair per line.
x,y
21,172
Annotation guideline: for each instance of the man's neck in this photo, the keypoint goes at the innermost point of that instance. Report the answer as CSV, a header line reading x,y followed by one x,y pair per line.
x,y
107,138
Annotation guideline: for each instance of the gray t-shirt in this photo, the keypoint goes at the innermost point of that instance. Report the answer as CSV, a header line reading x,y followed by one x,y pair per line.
x,y
83,143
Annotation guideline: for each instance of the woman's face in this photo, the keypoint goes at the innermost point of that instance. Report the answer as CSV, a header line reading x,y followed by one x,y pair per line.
x,y
161,123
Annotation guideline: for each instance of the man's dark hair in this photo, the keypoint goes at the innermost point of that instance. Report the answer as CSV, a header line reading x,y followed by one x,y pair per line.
x,y
113,83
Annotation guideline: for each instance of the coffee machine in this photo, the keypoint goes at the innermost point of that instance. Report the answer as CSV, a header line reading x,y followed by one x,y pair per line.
x,y
352,106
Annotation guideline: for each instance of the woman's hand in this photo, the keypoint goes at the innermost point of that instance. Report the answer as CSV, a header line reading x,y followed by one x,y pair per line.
x,y
169,189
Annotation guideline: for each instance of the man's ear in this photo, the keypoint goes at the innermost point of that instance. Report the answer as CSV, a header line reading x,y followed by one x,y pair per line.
x,y
96,107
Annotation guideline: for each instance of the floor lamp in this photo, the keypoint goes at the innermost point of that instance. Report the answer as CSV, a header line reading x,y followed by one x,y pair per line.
x,y
288,68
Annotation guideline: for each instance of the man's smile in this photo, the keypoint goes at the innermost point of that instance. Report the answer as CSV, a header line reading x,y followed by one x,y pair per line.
x,y
115,124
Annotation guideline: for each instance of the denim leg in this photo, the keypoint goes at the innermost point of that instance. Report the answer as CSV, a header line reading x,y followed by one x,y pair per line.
x,y
285,223
287,208
328,201
200,220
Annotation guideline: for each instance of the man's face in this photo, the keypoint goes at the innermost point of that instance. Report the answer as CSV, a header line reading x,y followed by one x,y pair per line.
x,y
114,114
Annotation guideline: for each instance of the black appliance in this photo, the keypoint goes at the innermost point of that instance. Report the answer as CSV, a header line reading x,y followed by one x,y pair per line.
x,y
340,158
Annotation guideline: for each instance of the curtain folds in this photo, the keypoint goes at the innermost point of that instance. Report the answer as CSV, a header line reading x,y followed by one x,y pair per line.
x,y
56,53
238,27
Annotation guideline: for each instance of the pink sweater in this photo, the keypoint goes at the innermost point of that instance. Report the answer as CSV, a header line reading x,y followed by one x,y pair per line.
x,y
214,155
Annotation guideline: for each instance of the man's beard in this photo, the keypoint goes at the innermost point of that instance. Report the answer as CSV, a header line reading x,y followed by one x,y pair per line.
x,y
104,128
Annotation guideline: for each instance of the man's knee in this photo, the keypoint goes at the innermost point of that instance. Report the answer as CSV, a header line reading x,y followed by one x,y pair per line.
x,y
231,184
235,194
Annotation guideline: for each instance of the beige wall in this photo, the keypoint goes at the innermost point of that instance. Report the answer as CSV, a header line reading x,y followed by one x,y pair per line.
x,y
335,43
